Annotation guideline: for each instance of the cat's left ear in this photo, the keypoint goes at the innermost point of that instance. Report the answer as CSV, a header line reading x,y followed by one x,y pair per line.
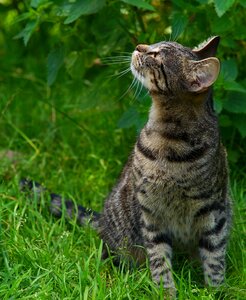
x,y
208,48
202,74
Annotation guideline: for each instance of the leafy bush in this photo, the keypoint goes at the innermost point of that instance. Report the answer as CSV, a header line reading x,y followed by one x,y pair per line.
x,y
76,35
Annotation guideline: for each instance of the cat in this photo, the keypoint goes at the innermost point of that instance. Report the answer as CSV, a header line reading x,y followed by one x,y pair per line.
x,y
174,189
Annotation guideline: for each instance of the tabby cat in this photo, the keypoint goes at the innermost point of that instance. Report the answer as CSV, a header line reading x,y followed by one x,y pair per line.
x,y
173,191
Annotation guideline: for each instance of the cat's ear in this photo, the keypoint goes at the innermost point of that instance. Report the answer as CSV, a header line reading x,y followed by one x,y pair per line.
x,y
208,48
202,74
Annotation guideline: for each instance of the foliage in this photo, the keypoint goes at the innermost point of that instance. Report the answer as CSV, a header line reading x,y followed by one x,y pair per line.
x,y
74,35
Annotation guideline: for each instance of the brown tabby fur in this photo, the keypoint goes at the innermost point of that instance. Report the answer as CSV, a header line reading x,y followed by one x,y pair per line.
x,y
174,188
173,191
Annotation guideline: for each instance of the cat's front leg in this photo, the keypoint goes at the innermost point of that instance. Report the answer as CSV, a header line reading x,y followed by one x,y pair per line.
x,y
158,244
212,250
157,240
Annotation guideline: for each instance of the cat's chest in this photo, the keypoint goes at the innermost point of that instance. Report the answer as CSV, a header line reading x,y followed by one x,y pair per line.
x,y
161,171
173,213
164,197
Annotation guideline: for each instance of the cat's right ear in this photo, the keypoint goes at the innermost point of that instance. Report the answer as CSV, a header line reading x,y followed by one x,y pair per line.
x,y
208,48
202,74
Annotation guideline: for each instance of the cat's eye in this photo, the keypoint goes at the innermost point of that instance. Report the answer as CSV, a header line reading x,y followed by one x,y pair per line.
x,y
152,53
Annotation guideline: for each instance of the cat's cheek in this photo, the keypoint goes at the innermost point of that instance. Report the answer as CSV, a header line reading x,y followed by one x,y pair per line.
x,y
139,76
146,82
150,84
134,71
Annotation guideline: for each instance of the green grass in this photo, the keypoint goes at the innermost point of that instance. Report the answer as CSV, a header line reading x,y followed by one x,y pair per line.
x,y
68,139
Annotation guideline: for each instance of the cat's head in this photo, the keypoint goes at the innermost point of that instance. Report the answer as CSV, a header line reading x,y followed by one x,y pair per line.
x,y
170,68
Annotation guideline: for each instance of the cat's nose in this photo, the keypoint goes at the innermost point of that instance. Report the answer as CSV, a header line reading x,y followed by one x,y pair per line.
x,y
142,48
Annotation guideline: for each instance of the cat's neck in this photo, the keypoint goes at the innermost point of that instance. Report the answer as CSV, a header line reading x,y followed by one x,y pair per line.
x,y
166,112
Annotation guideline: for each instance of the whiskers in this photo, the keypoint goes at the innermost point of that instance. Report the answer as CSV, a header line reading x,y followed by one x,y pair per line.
x,y
139,87
114,60
118,60
122,73
125,60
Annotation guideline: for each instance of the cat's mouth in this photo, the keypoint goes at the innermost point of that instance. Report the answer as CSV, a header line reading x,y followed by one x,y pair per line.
x,y
142,70
137,64
138,68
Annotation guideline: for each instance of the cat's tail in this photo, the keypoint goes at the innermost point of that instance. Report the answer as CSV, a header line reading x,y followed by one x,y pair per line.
x,y
60,206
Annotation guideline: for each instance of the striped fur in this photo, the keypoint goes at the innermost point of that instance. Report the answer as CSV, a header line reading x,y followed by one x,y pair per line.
x,y
173,191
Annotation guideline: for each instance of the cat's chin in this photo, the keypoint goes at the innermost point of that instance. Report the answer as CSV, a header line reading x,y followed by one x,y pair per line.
x,y
136,74
144,80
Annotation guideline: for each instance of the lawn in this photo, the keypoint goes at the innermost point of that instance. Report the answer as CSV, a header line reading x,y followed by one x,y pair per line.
x,y
68,139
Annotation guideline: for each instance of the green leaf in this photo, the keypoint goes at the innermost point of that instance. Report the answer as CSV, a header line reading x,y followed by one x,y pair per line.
x,y
54,63
243,3
229,42
234,86
22,17
63,10
233,155
203,1
221,25
27,31
239,122
229,70
181,3
221,6
36,3
84,7
179,23
140,4
225,121
76,63
71,59
236,102
218,106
